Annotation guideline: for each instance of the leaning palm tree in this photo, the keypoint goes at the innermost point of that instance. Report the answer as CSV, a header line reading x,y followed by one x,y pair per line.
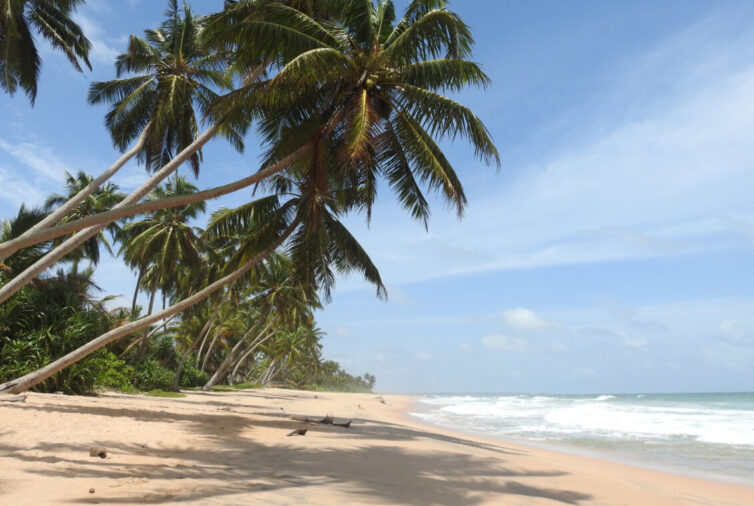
x,y
353,72
357,97
174,76
19,59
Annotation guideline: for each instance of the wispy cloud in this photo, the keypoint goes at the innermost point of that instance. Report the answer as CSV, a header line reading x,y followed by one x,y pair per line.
x,y
503,343
526,320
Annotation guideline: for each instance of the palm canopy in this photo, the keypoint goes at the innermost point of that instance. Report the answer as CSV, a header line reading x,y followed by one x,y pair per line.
x,y
369,88
101,200
170,80
19,59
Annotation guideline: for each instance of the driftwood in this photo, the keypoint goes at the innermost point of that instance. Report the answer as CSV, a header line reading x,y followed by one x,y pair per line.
x,y
328,420
12,398
298,432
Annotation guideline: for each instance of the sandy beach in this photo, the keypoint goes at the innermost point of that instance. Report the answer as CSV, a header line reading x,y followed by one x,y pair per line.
x,y
234,448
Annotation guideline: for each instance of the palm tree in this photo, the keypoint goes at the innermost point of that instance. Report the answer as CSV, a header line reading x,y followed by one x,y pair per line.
x,y
375,84
363,95
277,300
163,240
174,75
102,199
170,75
19,59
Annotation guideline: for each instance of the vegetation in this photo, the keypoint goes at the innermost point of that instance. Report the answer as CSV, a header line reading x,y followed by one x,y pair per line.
x,y
342,94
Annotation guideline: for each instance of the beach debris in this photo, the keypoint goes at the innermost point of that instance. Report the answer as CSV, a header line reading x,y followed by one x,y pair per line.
x,y
298,432
91,490
12,398
381,399
327,420
97,451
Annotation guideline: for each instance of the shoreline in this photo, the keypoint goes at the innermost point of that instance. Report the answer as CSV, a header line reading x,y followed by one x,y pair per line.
x,y
233,447
613,456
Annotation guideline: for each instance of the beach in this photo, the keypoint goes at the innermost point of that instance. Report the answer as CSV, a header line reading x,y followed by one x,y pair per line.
x,y
234,448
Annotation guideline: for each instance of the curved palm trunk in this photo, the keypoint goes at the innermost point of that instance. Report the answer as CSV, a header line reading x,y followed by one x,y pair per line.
x,y
229,359
29,380
211,346
76,240
247,352
118,212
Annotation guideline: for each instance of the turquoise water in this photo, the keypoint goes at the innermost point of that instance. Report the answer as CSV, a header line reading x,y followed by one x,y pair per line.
x,y
707,433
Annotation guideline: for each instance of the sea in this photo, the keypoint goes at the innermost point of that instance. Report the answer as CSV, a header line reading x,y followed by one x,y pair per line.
x,y
707,435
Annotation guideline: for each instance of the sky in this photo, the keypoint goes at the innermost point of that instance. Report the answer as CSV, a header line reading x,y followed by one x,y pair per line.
x,y
613,251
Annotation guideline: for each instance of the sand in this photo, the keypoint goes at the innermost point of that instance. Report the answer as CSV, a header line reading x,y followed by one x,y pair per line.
x,y
233,448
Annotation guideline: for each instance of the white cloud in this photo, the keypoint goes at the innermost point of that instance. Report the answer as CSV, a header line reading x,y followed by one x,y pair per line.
x,y
526,319
503,343
466,347
423,356
637,343
557,346
38,158
343,332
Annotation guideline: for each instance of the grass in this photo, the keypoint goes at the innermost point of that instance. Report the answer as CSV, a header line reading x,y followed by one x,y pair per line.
x,y
163,393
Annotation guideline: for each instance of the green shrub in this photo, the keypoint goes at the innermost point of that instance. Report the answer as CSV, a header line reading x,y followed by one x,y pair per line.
x,y
113,373
192,376
150,374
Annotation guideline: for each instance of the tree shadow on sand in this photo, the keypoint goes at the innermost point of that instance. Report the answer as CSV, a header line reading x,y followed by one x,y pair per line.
x,y
229,464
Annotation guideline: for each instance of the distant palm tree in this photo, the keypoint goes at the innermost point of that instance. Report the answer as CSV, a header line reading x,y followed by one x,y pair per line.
x,y
19,59
102,199
165,239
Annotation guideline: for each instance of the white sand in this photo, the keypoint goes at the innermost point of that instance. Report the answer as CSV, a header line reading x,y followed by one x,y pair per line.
x,y
232,448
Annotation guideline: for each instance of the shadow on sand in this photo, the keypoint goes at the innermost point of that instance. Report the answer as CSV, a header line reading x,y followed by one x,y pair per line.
x,y
230,464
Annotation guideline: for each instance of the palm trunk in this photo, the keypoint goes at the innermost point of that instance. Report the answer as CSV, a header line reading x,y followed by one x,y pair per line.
x,y
118,212
77,239
147,337
7,248
229,359
57,215
247,352
29,380
211,346
136,290
202,335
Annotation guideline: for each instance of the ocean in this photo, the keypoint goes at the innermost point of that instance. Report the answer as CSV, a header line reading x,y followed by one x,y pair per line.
x,y
706,434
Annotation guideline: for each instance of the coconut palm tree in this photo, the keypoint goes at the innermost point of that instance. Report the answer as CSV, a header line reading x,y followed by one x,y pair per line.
x,y
357,75
162,81
102,199
363,94
19,59
174,76
163,240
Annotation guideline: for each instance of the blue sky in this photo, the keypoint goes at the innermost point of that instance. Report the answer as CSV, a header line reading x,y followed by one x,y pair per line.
x,y
613,252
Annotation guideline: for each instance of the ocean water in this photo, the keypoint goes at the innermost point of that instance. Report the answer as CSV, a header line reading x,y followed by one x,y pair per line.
x,y
709,434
